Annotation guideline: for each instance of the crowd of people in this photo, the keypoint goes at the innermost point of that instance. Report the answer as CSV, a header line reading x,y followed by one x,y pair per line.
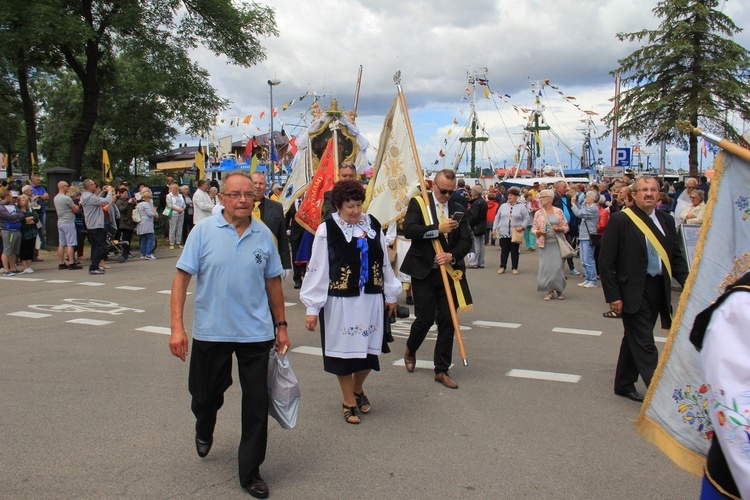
x,y
355,270
107,216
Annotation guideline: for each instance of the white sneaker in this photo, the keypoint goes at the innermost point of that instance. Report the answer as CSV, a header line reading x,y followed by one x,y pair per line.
x,y
582,283
575,272
28,270
590,285
151,257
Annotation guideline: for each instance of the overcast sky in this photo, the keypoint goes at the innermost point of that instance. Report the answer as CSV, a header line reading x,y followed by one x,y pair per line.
x,y
434,43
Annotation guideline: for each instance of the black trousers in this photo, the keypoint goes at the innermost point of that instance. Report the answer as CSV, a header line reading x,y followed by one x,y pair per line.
x,y
211,375
429,299
98,247
125,237
299,269
572,240
638,353
508,247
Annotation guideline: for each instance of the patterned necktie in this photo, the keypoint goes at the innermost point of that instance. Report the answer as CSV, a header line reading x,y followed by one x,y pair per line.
x,y
653,268
441,214
256,211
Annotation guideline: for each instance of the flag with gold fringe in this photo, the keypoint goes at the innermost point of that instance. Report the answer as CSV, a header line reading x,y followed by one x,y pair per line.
x,y
675,415
395,176
309,211
107,175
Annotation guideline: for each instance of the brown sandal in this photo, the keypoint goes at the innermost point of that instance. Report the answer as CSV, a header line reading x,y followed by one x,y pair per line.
x,y
612,315
350,414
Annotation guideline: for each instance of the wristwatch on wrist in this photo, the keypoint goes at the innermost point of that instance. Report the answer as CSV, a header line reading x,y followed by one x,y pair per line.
x,y
281,323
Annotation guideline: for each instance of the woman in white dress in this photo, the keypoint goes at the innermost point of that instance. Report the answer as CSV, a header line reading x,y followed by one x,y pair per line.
x,y
347,278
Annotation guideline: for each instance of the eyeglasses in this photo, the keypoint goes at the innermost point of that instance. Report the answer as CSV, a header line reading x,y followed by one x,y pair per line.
x,y
648,190
445,191
236,196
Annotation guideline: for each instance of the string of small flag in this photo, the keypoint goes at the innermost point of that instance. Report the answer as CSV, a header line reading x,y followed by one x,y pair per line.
x,y
236,121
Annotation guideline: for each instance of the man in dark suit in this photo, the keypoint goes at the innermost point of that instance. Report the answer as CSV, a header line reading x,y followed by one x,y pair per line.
x,y
422,264
271,213
637,283
478,222
295,236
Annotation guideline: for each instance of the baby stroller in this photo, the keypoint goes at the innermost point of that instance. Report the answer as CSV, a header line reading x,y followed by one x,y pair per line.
x,y
113,245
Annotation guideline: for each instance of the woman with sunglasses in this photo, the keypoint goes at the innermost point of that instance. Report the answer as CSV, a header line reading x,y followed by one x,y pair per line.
x,y
693,213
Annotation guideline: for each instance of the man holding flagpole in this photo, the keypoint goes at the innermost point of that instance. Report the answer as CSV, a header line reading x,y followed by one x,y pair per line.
x,y
422,225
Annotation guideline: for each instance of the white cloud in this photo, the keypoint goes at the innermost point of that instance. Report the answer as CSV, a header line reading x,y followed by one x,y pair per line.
x,y
434,43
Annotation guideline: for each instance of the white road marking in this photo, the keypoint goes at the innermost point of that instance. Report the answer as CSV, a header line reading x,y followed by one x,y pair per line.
x,y
306,349
133,288
29,314
427,365
91,283
290,304
660,339
169,292
551,376
594,333
155,329
59,281
92,322
495,324
18,278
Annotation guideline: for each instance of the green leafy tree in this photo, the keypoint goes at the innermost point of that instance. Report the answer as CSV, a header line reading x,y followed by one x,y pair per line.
x,y
88,38
687,69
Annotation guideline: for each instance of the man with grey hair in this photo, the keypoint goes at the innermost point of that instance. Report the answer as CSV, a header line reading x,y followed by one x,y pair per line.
x,y
94,217
477,217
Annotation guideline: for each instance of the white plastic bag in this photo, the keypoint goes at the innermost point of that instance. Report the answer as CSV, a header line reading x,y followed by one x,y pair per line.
x,y
283,390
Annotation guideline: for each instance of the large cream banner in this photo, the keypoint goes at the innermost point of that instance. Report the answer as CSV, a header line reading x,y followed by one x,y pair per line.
x,y
395,173
675,415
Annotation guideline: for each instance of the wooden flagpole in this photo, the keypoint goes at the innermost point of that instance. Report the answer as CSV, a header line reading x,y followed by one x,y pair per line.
x,y
436,241
725,144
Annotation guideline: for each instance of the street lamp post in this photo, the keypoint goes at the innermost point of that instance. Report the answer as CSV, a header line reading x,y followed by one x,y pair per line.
x,y
271,84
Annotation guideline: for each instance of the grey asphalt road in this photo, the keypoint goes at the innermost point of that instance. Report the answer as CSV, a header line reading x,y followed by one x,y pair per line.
x,y
92,405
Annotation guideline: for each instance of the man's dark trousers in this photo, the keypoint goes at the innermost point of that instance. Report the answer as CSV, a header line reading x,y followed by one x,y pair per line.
x,y
211,375
98,247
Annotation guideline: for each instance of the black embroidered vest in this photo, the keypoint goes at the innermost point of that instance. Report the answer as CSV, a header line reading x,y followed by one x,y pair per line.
x,y
344,262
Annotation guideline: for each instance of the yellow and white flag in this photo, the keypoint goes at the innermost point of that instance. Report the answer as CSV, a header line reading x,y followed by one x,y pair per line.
x,y
395,177
675,415
107,175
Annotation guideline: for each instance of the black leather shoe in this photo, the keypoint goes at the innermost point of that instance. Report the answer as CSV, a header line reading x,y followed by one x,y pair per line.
x,y
257,488
203,447
298,284
634,396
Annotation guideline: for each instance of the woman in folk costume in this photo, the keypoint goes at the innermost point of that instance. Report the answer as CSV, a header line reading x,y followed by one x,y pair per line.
x,y
346,278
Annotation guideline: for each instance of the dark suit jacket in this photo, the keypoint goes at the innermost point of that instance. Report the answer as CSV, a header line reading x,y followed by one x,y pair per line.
x,y
623,259
478,216
272,215
295,230
421,255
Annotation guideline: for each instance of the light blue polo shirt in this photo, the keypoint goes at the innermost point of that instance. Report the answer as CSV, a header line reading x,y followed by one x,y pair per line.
x,y
230,294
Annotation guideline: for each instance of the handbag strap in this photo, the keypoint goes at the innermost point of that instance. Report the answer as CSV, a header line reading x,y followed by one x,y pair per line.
x,y
651,237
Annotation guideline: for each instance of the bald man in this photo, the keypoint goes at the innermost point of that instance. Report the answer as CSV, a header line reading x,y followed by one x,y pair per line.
x,y
66,227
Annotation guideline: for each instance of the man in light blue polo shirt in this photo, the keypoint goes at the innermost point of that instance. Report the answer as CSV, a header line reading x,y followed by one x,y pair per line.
x,y
238,295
